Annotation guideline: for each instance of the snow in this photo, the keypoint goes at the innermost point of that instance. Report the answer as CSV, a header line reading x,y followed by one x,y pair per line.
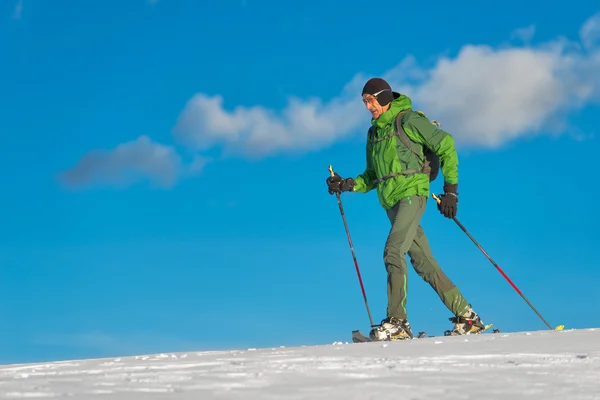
x,y
518,365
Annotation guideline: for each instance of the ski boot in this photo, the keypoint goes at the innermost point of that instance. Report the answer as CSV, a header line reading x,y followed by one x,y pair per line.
x,y
392,328
468,323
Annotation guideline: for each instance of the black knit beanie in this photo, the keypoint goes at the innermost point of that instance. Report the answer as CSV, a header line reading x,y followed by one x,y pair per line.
x,y
375,85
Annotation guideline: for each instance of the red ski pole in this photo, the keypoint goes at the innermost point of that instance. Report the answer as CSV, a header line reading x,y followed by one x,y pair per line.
x,y
558,328
352,250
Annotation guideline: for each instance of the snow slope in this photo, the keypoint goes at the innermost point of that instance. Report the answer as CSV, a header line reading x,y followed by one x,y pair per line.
x,y
522,365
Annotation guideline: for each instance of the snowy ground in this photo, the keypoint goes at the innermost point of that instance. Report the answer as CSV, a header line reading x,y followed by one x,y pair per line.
x,y
523,365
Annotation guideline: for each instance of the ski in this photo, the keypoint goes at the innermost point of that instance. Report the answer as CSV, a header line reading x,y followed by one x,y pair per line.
x,y
358,337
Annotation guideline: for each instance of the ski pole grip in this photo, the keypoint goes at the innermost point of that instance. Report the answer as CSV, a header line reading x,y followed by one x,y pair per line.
x,y
435,197
331,170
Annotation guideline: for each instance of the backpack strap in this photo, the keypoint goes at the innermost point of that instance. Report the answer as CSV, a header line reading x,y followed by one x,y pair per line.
x,y
401,133
421,159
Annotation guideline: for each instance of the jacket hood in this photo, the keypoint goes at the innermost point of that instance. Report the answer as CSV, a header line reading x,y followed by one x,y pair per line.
x,y
400,103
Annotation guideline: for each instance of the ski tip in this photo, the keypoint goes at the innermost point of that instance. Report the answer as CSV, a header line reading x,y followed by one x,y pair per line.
x,y
559,328
358,337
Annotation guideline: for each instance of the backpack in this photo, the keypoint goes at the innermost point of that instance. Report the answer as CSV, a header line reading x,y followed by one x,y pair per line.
x,y
429,161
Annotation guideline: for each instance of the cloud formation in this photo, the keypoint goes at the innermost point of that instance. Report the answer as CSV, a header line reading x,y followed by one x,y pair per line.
x,y
590,32
141,159
257,131
485,96
524,34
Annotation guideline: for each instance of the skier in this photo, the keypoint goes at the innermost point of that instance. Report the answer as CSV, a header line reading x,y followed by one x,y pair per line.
x,y
402,181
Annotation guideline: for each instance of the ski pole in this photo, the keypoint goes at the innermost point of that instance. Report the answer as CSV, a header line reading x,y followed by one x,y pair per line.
x,y
499,269
352,250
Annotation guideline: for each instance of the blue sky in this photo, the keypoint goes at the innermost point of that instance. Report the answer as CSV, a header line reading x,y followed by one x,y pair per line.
x,y
164,166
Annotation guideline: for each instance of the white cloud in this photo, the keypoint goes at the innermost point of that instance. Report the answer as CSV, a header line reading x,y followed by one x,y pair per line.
x,y
197,165
484,96
524,34
487,97
125,164
590,32
257,131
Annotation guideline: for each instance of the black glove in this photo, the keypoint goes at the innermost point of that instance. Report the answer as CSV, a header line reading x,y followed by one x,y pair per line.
x,y
338,184
449,200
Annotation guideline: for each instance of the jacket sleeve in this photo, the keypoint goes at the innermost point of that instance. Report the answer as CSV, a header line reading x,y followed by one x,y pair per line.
x,y
364,182
421,130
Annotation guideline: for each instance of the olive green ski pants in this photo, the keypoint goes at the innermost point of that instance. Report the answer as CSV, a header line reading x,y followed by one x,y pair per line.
x,y
407,237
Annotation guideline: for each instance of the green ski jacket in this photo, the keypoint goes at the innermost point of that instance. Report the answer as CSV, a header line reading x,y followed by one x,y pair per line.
x,y
388,155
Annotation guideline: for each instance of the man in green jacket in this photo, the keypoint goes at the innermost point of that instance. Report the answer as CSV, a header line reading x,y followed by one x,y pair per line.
x,y
402,181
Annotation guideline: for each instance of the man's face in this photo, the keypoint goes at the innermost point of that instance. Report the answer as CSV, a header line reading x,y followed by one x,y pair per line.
x,y
373,105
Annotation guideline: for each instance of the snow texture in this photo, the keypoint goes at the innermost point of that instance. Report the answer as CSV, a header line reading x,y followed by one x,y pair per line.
x,y
521,365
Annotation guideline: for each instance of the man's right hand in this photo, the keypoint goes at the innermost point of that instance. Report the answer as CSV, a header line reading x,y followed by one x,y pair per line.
x,y
338,184
448,201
